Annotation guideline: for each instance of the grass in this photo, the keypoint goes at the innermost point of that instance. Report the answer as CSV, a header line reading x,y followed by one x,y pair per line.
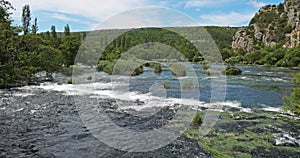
x,y
239,134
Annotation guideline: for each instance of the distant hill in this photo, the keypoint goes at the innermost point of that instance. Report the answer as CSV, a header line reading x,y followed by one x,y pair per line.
x,y
222,36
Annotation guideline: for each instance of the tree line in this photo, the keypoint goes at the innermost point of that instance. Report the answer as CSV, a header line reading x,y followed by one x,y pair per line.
x,y
24,51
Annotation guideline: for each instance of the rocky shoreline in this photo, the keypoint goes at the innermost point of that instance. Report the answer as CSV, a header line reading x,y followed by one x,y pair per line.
x,y
45,123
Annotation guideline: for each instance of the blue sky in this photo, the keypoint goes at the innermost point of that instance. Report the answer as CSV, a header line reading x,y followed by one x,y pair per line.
x,y
85,15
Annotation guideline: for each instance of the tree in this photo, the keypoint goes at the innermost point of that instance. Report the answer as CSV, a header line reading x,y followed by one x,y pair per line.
x,y
5,6
53,32
12,72
292,102
69,47
55,41
67,30
34,27
50,59
26,17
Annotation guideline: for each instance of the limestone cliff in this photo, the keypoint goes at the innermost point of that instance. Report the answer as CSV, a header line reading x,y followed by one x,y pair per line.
x,y
271,25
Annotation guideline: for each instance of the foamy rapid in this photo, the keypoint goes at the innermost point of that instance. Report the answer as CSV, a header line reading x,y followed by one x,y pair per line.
x,y
148,100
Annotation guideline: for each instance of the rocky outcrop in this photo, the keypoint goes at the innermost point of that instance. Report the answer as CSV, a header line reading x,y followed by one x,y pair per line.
x,y
292,7
270,26
295,36
242,40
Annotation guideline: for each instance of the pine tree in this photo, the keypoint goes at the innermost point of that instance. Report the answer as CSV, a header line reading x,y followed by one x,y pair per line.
x,y
67,30
34,27
26,17
53,32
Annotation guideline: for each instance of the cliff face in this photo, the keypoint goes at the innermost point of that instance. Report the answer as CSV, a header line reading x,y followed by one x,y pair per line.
x,y
270,26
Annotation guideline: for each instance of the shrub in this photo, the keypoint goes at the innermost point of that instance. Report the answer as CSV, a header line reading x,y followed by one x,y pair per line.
x,y
101,65
89,78
157,68
197,120
292,102
232,71
129,68
205,66
166,85
178,69
70,81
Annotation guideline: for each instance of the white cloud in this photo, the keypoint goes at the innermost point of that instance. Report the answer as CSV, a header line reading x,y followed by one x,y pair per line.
x,y
257,4
147,17
203,3
92,9
63,17
231,19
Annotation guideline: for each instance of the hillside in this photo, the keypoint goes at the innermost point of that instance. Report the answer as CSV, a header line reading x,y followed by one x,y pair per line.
x,y
272,25
221,35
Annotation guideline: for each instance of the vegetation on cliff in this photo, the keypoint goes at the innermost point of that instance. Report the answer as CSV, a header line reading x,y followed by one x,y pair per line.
x,y
272,37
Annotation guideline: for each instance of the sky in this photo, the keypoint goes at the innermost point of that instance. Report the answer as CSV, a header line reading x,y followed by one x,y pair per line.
x,y
85,15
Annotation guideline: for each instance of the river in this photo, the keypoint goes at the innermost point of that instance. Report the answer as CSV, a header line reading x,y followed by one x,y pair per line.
x,y
43,121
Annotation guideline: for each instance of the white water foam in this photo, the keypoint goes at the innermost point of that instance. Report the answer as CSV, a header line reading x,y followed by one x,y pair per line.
x,y
22,94
286,138
106,91
272,109
275,79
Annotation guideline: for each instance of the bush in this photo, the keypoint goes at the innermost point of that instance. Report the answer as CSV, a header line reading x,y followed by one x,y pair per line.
x,y
70,81
232,71
101,65
157,68
166,85
197,120
178,69
205,65
129,68
67,71
292,102
106,66
89,78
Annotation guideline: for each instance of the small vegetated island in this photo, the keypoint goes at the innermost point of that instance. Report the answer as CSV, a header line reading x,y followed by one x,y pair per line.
x,y
271,39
